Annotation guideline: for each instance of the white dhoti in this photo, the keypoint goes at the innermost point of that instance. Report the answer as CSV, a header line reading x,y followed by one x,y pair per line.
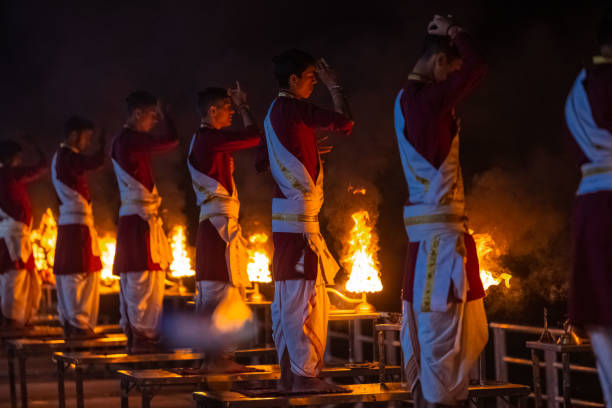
x,y
601,340
20,294
141,300
209,294
299,323
78,299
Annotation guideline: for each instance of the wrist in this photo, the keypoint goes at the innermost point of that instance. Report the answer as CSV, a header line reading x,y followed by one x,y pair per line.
x,y
334,87
244,107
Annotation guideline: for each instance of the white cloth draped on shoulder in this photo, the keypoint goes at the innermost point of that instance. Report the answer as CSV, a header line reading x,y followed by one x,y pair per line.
x,y
16,236
595,142
447,331
222,209
74,208
298,213
136,199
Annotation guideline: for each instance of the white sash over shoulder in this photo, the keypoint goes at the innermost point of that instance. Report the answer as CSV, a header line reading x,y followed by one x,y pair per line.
x,y
74,208
222,209
16,236
298,213
436,220
595,142
136,199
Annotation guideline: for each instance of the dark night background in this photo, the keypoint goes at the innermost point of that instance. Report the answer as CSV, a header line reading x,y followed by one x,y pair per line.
x,y
60,58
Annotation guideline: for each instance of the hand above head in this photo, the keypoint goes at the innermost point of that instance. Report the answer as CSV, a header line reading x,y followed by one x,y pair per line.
x,y
238,96
326,74
442,26
163,109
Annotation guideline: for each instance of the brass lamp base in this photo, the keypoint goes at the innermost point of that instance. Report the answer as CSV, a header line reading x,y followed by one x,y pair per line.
x,y
255,296
365,307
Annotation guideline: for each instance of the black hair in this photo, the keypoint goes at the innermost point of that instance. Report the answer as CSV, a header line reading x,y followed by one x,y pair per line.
x,y
77,124
434,44
291,62
140,100
209,97
8,150
604,32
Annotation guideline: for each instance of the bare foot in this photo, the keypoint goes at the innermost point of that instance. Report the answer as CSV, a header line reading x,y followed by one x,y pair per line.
x,y
287,377
225,366
314,385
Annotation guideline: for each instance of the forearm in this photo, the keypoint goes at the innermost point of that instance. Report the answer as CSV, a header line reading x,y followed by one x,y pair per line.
x,y
340,103
247,116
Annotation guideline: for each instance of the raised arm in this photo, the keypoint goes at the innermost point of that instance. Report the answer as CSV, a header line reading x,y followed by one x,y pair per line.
x,y
31,173
229,141
329,77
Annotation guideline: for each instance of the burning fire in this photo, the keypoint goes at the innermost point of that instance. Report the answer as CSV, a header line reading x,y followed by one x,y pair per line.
x,y
107,249
488,254
258,267
361,256
181,263
43,241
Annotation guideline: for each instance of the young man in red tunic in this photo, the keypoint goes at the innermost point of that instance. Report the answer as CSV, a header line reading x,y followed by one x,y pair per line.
x,y
77,253
19,282
444,325
221,257
143,253
588,114
302,264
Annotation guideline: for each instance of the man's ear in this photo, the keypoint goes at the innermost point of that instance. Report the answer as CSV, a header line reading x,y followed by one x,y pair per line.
x,y
293,79
212,111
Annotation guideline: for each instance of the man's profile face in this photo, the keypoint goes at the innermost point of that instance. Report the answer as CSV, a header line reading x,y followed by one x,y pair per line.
x,y
303,85
146,118
443,67
84,139
221,113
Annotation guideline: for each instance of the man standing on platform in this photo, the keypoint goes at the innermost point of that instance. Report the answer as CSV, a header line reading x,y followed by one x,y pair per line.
x,y
302,264
444,326
143,253
77,253
20,285
221,258
588,114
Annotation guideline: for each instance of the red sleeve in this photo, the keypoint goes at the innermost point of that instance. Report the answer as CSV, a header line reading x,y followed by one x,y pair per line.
x,y
147,143
31,173
229,141
447,94
84,162
323,119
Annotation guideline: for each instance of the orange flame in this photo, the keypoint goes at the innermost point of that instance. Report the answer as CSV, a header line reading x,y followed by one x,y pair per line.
x,y
181,262
258,267
108,245
360,259
488,256
43,241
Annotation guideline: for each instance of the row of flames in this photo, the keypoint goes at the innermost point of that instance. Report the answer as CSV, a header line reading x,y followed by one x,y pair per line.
x,y
360,258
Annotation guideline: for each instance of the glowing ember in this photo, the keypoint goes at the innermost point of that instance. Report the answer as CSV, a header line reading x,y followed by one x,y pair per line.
x,y
258,267
107,249
43,241
181,263
361,256
488,257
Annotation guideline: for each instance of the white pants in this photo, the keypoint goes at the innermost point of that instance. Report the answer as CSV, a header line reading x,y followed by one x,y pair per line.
x,y
20,293
450,343
209,294
601,340
300,312
78,299
141,297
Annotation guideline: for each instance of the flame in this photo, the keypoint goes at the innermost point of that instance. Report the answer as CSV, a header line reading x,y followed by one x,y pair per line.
x,y
361,257
108,245
258,267
43,241
488,255
181,263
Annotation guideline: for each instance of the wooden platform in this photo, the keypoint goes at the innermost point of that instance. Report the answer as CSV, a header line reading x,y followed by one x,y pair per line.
x,y
149,382
358,393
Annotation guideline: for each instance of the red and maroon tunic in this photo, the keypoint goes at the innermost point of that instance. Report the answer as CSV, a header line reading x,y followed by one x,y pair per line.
x,y
590,300
295,123
431,125
73,253
132,151
212,155
15,202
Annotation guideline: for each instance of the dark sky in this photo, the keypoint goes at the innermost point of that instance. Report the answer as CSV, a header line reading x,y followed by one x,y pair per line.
x,y
60,58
